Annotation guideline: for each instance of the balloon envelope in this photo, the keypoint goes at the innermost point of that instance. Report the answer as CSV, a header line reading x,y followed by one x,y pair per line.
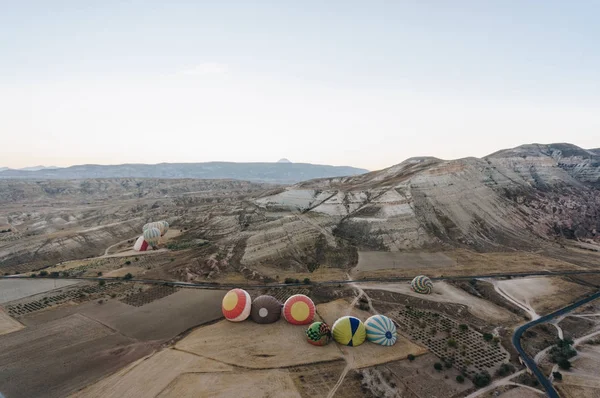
x,y
236,305
299,310
152,236
265,309
140,245
318,333
422,284
349,330
381,330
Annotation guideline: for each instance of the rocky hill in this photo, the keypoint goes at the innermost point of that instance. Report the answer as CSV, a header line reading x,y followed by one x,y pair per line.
x,y
279,173
510,199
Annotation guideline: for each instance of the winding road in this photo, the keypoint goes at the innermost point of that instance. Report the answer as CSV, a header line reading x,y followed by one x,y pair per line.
x,y
530,362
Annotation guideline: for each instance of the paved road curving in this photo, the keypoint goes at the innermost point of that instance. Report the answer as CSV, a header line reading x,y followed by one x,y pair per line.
x,y
516,340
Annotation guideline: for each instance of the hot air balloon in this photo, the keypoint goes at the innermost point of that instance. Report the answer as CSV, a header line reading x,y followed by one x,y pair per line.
x,y
265,309
299,310
349,330
236,305
381,330
152,236
318,333
165,226
422,284
140,245
162,226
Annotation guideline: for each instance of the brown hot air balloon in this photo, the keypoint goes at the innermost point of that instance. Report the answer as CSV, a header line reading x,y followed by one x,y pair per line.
x,y
265,309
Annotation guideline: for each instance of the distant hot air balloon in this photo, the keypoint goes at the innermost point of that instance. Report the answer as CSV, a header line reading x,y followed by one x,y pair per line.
x,y
152,236
162,226
349,330
265,309
236,305
381,330
318,333
165,226
422,284
299,310
140,245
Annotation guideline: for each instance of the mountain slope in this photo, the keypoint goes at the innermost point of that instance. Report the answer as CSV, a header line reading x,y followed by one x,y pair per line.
x,y
512,198
283,173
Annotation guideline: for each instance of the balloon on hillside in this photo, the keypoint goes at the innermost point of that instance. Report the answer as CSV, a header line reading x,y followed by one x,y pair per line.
x,y
265,309
422,284
318,333
140,245
236,305
299,310
381,330
349,330
162,226
166,226
152,236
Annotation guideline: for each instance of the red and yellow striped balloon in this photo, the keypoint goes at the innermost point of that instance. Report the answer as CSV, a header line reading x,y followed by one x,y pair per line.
x,y
236,305
299,310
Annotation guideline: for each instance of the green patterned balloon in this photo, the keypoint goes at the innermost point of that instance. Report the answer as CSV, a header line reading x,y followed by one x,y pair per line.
x,y
318,333
422,284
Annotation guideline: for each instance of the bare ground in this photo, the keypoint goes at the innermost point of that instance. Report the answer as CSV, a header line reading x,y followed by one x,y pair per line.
x,y
8,324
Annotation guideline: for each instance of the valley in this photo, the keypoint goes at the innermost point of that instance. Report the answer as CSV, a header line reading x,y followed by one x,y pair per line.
x,y
506,239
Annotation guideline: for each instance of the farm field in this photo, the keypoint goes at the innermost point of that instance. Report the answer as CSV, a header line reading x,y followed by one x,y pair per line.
x,y
472,263
87,350
250,345
543,294
149,376
15,289
8,324
371,260
160,319
258,383
446,293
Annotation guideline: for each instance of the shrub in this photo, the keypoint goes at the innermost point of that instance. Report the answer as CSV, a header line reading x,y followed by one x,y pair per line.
x,y
306,281
128,276
172,259
99,273
557,375
54,274
452,343
43,273
438,366
482,379
564,364
113,295
127,262
410,357
460,378
505,369
101,283
463,327
33,275
289,280
137,259
100,301
487,337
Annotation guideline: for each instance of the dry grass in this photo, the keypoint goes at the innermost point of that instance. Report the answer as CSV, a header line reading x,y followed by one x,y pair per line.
x,y
471,263
149,376
544,294
262,383
371,261
8,324
250,345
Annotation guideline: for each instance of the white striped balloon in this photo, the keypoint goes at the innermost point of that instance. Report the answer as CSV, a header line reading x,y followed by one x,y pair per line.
x,y
381,330
152,236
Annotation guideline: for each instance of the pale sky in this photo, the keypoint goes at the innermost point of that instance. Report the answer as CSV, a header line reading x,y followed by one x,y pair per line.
x,y
360,83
